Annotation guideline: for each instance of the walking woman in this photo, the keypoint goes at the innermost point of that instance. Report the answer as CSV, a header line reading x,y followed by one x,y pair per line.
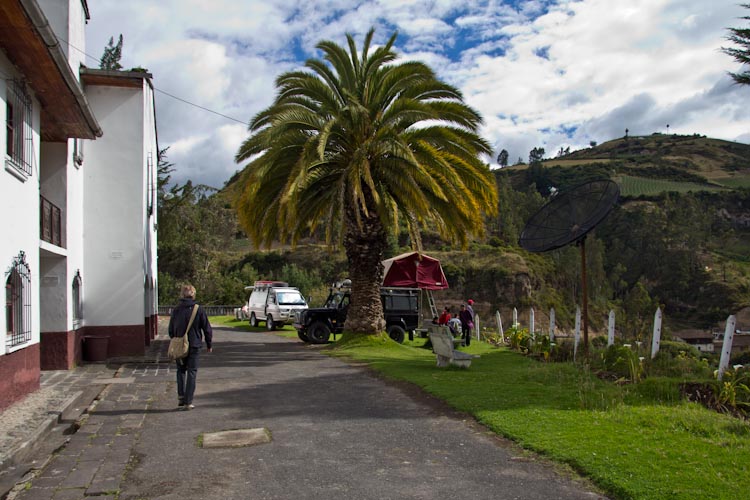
x,y
187,368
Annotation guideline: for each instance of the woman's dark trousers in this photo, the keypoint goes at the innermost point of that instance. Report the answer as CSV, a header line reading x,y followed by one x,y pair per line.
x,y
187,370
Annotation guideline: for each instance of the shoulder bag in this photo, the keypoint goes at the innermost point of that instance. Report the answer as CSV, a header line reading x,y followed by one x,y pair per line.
x,y
179,346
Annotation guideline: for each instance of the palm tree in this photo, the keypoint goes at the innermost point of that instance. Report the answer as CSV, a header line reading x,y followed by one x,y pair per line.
x,y
355,143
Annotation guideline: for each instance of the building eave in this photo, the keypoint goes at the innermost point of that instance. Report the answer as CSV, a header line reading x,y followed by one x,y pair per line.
x,y
27,39
111,78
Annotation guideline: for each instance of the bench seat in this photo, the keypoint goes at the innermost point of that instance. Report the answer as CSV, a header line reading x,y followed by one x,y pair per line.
x,y
442,346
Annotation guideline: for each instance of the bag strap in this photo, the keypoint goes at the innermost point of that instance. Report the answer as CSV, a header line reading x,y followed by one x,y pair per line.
x,y
192,318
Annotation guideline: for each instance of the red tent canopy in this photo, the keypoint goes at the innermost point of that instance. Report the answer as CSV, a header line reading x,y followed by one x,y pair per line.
x,y
414,270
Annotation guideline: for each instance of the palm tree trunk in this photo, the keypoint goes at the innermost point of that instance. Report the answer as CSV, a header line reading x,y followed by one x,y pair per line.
x,y
365,247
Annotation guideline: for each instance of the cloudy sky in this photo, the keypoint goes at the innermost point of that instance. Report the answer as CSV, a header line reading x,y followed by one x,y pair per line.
x,y
549,73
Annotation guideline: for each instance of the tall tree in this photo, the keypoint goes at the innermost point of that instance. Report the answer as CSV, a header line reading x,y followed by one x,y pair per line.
x,y
355,143
741,54
112,55
502,158
536,155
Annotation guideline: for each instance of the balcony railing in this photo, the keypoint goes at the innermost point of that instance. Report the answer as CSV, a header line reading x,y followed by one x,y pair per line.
x,y
51,223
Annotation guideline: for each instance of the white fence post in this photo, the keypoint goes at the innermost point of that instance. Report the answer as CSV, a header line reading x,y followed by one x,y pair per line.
x,y
500,326
611,329
726,348
656,337
515,318
531,324
551,325
476,325
578,332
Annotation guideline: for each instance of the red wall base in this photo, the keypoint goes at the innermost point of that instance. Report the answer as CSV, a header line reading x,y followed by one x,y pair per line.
x,y
19,375
124,340
60,350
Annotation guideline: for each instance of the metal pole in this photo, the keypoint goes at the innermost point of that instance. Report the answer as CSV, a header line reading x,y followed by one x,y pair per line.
x,y
585,300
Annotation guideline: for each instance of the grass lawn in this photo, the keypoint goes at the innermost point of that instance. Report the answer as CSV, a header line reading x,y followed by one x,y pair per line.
x,y
628,440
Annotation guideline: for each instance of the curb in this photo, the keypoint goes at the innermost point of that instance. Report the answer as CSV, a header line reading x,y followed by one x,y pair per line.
x,y
14,467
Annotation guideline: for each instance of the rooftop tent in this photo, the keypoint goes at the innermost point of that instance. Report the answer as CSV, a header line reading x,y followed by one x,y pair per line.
x,y
414,270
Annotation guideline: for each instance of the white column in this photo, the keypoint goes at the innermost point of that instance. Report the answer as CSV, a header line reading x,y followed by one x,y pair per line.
x,y
726,348
531,323
656,337
500,326
551,324
578,332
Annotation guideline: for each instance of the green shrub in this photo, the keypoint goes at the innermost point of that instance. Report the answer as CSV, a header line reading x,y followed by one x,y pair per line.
x,y
519,339
623,361
562,350
599,342
677,359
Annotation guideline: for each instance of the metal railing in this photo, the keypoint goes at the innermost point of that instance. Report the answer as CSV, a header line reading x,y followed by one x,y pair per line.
x,y
51,223
210,310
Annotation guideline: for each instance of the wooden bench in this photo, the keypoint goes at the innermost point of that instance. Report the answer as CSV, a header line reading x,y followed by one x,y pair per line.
x,y
442,346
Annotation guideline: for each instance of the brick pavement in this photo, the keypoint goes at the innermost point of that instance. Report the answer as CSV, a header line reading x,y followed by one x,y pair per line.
x,y
40,451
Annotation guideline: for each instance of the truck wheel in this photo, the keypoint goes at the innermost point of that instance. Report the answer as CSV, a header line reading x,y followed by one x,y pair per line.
x,y
303,336
253,320
396,333
270,325
318,333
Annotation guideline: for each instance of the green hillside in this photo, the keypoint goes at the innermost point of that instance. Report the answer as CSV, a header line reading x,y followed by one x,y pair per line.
x,y
678,237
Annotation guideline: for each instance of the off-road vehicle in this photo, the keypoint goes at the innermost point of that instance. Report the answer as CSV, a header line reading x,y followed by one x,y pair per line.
x,y
400,308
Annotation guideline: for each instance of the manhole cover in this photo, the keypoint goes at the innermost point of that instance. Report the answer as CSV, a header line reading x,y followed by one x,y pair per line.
x,y
236,438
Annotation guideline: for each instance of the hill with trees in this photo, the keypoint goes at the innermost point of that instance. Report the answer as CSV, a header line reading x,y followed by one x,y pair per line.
x,y
679,237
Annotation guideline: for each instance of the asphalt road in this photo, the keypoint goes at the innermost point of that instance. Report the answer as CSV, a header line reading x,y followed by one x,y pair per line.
x,y
338,432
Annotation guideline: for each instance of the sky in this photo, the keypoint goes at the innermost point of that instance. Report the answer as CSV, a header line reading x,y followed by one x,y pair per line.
x,y
542,73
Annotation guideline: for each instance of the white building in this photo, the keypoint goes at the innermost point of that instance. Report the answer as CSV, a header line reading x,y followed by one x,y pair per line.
x,y
77,197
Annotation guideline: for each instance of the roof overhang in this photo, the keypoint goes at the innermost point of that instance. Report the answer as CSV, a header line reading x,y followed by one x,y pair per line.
x,y
30,44
109,78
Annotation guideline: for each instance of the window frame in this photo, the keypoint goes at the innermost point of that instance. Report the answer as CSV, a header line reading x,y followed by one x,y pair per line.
x,y
18,304
19,146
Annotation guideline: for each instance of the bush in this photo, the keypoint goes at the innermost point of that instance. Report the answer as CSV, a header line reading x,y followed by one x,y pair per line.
x,y
599,342
519,339
677,359
623,361
562,350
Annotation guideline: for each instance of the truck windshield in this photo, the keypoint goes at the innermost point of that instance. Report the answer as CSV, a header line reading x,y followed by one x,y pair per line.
x,y
290,298
335,299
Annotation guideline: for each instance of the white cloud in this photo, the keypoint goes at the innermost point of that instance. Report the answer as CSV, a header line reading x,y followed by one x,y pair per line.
x,y
549,73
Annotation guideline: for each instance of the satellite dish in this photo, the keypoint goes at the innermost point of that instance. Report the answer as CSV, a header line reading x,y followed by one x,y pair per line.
x,y
568,218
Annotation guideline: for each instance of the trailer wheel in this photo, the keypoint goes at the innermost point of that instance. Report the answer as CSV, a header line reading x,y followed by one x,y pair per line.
x,y
303,336
253,320
396,333
318,333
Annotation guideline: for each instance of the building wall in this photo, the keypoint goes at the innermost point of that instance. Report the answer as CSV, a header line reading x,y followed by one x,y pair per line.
x,y
151,160
113,210
68,20
19,215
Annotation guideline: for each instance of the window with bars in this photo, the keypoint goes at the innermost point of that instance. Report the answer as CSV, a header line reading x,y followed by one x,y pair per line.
x,y
18,302
77,300
18,143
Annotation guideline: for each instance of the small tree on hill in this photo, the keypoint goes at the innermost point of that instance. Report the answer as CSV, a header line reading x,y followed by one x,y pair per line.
x,y
536,155
741,54
112,53
502,158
